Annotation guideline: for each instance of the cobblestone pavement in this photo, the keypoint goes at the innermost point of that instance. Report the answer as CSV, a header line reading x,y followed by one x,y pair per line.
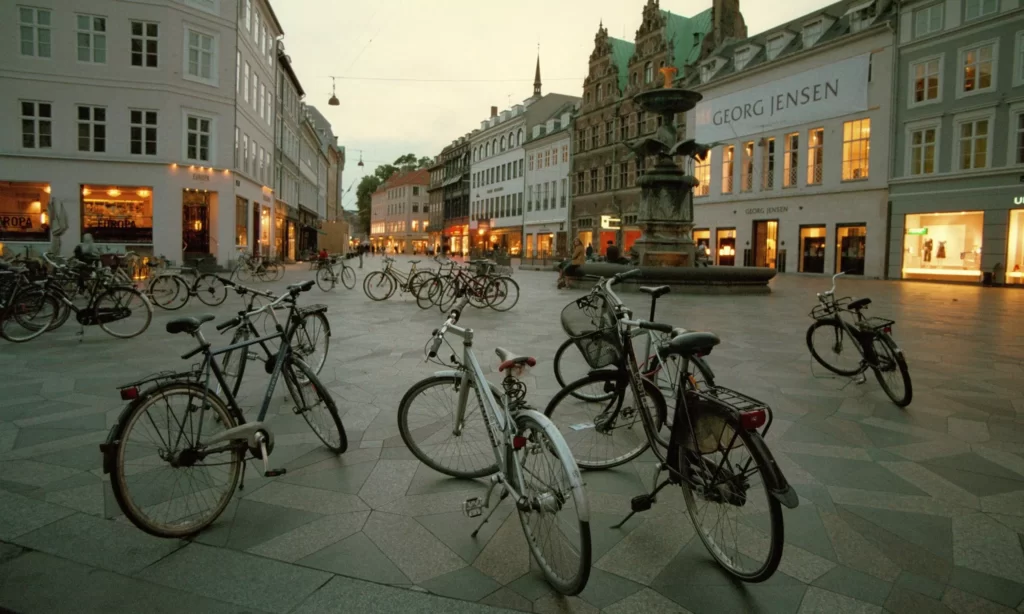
x,y
916,510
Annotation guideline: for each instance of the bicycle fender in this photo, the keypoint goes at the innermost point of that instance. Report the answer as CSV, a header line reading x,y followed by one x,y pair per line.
x,y
562,448
779,487
109,447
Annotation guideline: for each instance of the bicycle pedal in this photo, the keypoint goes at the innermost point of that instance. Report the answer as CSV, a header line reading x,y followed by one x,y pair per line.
x,y
473,507
273,473
641,503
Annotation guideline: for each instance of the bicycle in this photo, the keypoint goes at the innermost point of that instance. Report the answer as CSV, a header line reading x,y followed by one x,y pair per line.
x,y
481,285
171,287
206,438
381,285
255,266
871,338
531,461
327,278
107,301
707,427
26,311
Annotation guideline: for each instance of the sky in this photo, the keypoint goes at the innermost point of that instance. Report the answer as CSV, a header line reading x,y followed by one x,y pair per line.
x,y
413,75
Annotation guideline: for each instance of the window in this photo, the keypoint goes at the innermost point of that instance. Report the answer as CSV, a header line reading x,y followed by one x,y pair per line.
x,y
248,15
519,165
197,139
815,155
565,153
36,125
255,88
706,71
608,177
24,211
702,171
581,181
609,136
976,9
415,192
623,174
256,26
768,165
245,90
531,162
562,196
623,129
741,58
92,128
943,246
92,39
727,168
593,180
200,55
35,31
648,72
270,107
245,153
856,149
925,77
977,68
747,170
790,160
144,43
974,143
928,20
775,46
922,150
118,214
143,132
812,32
599,91
547,158
263,101
593,137
241,221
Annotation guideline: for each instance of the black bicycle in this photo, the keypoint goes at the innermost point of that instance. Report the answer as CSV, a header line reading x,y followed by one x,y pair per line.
x,y
118,308
853,344
172,287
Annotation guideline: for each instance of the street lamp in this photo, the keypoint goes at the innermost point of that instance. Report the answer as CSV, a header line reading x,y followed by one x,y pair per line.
x,y
334,98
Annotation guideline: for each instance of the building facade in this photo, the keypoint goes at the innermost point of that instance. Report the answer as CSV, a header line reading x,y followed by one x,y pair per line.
x,y
606,198
957,209
455,194
496,211
285,224
399,214
548,170
800,115
435,204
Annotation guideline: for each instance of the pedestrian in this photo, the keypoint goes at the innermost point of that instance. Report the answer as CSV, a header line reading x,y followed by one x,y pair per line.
x,y
612,254
590,251
360,249
571,271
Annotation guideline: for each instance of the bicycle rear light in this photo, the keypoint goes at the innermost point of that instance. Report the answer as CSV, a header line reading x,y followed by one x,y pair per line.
x,y
753,419
518,442
130,394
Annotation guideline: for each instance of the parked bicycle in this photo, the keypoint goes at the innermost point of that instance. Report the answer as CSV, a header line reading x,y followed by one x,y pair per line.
x,y
171,287
332,271
530,460
26,311
254,267
477,280
714,449
177,453
381,285
853,344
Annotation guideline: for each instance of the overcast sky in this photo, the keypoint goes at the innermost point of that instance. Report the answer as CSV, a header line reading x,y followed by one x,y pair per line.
x,y
494,43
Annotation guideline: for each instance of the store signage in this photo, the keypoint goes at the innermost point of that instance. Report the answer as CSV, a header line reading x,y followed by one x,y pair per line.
x,y
20,222
1019,200
829,91
917,231
763,210
498,189
610,223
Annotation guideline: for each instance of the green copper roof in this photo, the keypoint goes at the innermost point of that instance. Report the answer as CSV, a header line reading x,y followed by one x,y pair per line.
x,y
679,31
621,52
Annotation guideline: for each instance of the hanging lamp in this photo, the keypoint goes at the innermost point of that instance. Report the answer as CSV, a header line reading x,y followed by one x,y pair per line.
x,y
334,98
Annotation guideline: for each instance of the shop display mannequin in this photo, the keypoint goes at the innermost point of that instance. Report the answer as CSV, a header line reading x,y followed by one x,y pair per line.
x,y
928,250
941,254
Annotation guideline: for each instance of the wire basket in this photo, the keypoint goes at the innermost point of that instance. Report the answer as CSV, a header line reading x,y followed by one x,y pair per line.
x,y
592,325
821,311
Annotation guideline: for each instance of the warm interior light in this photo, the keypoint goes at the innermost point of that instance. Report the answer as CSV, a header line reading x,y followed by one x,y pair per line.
x,y
47,189
86,191
481,232
494,238
144,193
174,165
36,206
113,192
43,219
197,225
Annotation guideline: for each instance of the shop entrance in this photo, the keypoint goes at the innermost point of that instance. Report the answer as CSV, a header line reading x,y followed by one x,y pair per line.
x,y
851,241
195,223
766,236
726,251
812,249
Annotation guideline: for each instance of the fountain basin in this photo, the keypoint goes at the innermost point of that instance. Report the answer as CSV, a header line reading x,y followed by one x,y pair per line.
x,y
667,101
690,279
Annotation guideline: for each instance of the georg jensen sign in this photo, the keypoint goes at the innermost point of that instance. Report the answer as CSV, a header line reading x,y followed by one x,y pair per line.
x,y
829,91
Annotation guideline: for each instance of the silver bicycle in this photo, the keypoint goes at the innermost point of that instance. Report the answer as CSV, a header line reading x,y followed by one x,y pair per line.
x,y
529,460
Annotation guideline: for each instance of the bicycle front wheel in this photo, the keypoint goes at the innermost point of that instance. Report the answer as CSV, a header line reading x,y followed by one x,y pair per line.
x,y
348,277
554,517
834,348
168,292
312,340
428,293
30,313
570,365
505,294
211,290
892,372
427,421
325,279
314,403
123,312
165,479
378,286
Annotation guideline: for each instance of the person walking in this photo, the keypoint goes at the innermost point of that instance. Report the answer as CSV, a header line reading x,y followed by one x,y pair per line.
x,y
590,251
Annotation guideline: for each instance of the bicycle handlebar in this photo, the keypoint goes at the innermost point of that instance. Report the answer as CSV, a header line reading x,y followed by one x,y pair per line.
x,y
832,290
453,318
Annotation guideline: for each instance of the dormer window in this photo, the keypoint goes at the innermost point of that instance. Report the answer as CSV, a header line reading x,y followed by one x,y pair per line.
x,y
707,70
775,46
742,57
860,15
812,32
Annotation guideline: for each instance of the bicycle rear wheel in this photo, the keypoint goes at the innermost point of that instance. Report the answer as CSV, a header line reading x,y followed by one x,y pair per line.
x,y
232,365
325,279
570,365
892,372
555,520
312,340
314,403
378,286
31,313
834,348
211,290
123,312
165,480
428,292
168,292
348,277
505,294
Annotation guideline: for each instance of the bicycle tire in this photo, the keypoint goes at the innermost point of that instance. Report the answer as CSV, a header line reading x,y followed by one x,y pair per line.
x,y
25,307
376,280
63,313
211,290
325,279
232,365
296,384
564,377
508,287
348,277
418,279
304,344
449,293
243,272
579,441
558,476
165,291
119,302
409,431
839,337
900,364
427,294
686,364
137,512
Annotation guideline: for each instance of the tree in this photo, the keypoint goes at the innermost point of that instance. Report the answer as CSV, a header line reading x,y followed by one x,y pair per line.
x,y
371,183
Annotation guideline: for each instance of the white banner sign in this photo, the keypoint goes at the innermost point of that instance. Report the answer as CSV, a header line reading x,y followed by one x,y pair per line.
x,y
829,91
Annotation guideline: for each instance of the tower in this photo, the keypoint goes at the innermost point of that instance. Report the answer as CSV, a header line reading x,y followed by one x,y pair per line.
x,y
536,76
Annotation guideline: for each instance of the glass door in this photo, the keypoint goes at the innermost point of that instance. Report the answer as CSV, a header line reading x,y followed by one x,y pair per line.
x,y
812,249
766,234
726,252
851,242
195,227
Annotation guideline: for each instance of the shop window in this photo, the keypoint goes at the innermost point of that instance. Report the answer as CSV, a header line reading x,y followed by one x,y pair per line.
x,y
1015,253
944,246
701,237
851,241
24,211
241,219
812,249
727,168
856,149
768,166
725,251
765,244
117,214
815,155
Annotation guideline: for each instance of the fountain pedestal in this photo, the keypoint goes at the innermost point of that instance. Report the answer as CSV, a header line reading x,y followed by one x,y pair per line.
x,y
666,217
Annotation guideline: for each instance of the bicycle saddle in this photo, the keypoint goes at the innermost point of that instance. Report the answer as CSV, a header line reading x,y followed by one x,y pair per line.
x,y
860,303
301,287
188,325
655,291
510,359
414,261
690,343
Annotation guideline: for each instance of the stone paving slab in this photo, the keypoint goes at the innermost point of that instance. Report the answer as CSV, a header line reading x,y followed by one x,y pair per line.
x,y
918,509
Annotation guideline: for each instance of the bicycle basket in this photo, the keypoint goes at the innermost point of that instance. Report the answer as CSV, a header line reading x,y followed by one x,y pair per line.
x,y
821,311
592,325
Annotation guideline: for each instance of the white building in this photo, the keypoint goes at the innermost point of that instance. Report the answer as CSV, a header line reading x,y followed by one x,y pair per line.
x,y
801,115
545,222
400,213
496,180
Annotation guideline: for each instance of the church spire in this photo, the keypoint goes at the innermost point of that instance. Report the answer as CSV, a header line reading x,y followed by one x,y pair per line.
x,y
536,76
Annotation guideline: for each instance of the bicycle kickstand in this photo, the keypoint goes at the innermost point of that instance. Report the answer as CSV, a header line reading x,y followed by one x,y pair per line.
x,y
642,503
494,508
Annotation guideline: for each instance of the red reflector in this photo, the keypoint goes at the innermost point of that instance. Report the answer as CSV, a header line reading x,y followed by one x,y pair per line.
x,y
888,330
518,443
129,394
752,420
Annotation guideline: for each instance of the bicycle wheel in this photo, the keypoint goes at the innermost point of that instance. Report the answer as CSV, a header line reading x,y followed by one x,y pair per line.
x,y
724,491
834,348
314,403
31,313
675,374
232,364
428,293
449,293
325,279
506,294
311,340
378,286
211,290
892,372
123,312
426,421
603,433
165,480
477,290
418,279
557,534
244,272
570,365
348,277
168,292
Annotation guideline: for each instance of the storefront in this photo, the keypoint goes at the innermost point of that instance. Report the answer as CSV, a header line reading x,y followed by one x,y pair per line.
x,y
25,213
457,240
508,240
606,230
546,241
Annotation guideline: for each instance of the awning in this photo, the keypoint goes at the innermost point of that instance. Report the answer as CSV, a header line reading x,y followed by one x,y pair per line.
x,y
860,6
452,180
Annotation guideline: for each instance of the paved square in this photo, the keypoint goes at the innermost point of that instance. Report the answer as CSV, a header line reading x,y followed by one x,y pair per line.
x,y
902,510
